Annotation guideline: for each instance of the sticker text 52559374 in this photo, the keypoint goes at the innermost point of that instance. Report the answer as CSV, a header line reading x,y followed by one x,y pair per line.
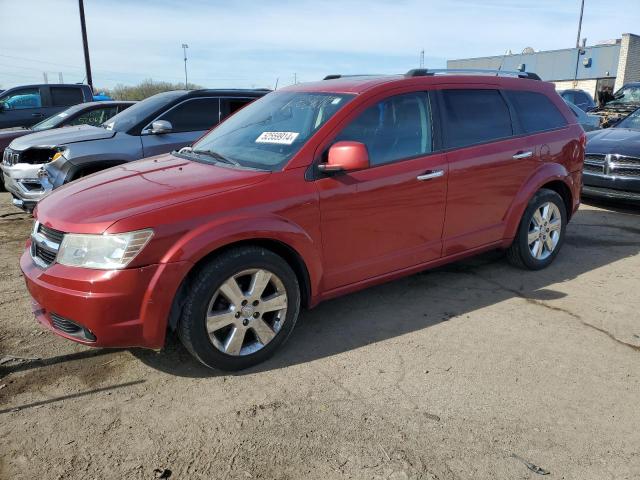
x,y
279,138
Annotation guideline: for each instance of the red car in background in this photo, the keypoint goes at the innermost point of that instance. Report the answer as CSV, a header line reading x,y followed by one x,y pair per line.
x,y
308,193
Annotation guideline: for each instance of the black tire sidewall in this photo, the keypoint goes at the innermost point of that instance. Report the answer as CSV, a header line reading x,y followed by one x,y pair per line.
x,y
192,328
543,196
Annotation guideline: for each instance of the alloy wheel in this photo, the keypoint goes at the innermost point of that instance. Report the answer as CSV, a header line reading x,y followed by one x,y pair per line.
x,y
545,228
246,312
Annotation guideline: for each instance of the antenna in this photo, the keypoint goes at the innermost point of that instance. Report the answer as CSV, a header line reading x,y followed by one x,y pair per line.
x,y
506,52
422,58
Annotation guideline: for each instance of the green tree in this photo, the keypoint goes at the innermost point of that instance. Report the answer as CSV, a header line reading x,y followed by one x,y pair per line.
x,y
144,89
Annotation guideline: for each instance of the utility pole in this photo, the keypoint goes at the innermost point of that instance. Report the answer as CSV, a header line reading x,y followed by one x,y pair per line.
x,y
579,50
184,50
580,25
85,44
295,78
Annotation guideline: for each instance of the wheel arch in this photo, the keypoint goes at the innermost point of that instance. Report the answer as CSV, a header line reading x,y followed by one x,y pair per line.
x,y
279,247
552,176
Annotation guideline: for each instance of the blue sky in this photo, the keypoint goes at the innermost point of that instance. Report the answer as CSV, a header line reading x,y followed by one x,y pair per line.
x,y
248,43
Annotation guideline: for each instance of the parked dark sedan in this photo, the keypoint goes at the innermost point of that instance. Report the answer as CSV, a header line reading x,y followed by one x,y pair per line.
x,y
612,161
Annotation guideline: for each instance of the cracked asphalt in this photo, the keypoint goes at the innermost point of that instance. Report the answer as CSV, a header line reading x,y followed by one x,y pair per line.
x,y
475,370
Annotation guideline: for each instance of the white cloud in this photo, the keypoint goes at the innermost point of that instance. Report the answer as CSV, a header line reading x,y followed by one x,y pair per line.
x,y
247,43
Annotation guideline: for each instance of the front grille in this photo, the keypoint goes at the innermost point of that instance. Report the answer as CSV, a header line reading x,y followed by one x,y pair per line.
x,y
592,168
625,172
45,243
620,160
594,159
44,254
51,234
71,328
67,326
10,157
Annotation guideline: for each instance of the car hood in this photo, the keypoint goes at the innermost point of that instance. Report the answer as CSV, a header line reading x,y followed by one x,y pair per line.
x,y
61,136
94,203
622,141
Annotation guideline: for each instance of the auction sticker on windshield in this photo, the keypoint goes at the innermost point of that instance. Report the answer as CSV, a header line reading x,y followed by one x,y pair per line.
x,y
280,138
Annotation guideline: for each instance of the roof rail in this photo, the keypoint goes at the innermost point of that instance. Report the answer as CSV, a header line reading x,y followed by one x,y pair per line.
x,y
334,76
424,72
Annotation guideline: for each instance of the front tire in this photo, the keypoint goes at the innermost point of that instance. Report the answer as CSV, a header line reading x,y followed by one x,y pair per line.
x,y
541,232
240,308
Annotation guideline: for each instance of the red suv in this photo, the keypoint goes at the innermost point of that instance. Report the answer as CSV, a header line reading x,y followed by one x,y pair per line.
x,y
308,193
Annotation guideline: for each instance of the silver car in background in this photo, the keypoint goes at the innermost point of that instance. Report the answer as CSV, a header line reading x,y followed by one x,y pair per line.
x,y
588,121
159,124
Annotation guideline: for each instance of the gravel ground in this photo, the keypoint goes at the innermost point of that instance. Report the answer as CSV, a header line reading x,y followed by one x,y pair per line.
x,y
443,375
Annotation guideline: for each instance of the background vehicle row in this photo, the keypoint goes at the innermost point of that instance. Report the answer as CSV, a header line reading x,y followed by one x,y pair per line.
x,y
159,124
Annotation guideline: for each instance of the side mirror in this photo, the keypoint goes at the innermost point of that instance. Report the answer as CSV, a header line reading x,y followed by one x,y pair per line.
x,y
161,126
346,157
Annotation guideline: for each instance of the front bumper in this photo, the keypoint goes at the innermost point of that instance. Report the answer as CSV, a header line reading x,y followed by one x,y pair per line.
x,y
120,308
25,182
611,186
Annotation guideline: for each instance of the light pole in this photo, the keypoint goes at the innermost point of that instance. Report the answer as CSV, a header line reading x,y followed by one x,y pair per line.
x,y
184,50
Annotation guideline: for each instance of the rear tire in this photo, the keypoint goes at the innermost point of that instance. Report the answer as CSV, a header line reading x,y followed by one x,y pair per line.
x,y
241,306
541,232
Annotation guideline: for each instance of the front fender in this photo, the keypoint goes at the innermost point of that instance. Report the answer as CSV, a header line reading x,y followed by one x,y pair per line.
x,y
219,233
546,173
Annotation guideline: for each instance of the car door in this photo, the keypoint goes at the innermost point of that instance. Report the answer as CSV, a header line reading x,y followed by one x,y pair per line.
x,y
62,97
389,216
22,107
189,119
488,163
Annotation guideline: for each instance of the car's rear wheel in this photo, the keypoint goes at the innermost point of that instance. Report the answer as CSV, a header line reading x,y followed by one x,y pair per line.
x,y
240,307
541,232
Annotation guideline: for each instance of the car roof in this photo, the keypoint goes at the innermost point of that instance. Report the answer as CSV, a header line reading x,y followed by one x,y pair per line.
x,y
361,83
34,85
106,103
227,92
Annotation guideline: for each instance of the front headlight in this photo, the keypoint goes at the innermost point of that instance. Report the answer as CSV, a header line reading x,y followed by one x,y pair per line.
x,y
104,252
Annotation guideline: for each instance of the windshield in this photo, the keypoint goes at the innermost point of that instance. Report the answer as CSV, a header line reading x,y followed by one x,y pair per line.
x,y
268,132
629,94
632,121
139,111
55,120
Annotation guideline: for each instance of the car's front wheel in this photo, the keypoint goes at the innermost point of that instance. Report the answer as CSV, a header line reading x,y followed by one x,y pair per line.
x,y
240,307
541,232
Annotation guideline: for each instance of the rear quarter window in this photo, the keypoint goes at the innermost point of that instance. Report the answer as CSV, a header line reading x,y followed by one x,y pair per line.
x,y
474,116
536,112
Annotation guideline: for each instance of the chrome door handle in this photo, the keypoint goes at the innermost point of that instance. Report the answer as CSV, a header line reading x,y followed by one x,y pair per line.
x,y
430,174
520,155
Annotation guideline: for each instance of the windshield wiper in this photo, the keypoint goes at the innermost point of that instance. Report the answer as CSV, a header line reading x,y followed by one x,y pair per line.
x,y
217,156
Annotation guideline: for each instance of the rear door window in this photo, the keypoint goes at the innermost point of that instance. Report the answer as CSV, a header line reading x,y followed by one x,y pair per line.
x,y
193,115
474,116
94,117
66,96
536,111
399,127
